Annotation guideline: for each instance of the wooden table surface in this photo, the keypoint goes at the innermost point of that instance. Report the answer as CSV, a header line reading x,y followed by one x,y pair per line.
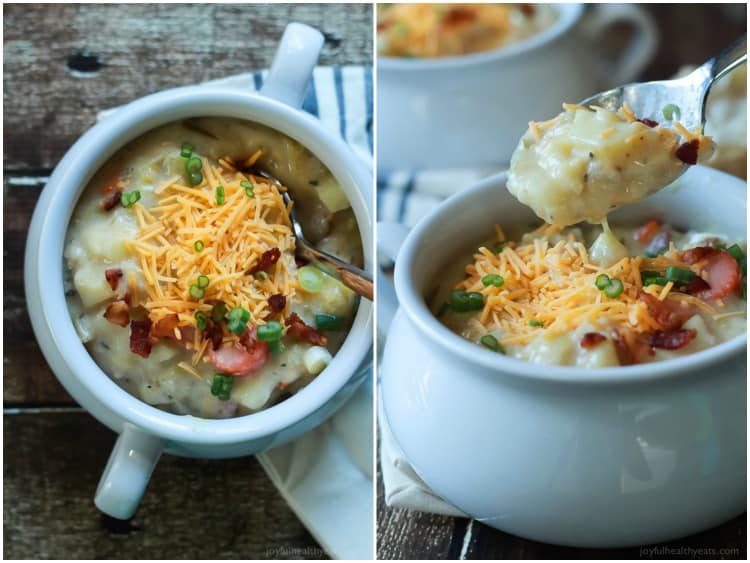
x,y
691,34
63,64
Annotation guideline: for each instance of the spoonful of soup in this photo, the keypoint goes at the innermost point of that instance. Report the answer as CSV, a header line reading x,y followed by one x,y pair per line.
x,y
618,146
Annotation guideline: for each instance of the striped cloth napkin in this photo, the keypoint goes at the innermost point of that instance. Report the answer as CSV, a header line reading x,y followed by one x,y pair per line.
x,y
326,475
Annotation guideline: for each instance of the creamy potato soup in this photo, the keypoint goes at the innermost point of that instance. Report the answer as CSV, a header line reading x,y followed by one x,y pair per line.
x,y
586,162
593,297
444,30
182,280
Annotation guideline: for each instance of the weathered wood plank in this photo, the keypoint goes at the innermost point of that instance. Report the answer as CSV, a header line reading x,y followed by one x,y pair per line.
x,y
222,509
65,62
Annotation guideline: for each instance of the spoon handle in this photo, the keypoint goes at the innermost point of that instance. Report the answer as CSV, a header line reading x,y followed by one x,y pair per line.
x,y
352,277
729,58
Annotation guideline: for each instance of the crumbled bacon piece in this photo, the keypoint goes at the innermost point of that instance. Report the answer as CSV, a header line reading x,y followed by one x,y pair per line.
x,y
214,333
118,313
648,122
113,276
527,10
300,331
458,15
277,302
668,313
672,340
630,348
723,273
648,231
696,286
111,200
267,259
164,327
688,152
140,337
239,360
592,339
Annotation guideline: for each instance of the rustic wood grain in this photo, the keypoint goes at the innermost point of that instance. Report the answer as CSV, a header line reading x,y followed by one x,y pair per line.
x,y
192,509
65,62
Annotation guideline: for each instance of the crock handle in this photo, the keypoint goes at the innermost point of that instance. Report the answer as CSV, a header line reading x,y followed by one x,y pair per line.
x,y
634,58
127,472
293,64
390,238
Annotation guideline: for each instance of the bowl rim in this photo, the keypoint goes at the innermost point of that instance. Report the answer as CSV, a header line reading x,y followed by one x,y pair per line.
x,y
567,16
413,304
49,230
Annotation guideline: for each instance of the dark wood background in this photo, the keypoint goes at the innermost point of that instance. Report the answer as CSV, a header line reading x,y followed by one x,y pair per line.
x,y
61,65
691,34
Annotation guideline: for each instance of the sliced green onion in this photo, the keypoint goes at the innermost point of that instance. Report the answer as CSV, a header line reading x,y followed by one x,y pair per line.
x,y
324,321
187,150
198,246
129,198
720,245
654,280
270,331
221,386
444,308
193,165
464,301
679,275
249,188
646,274
197,292
237,320
671,112
536,323
275,346
614,289
736,251
201,321
203,281
602,281
499,248
310,278
261,275
219,195
491,342
195,178
493,279
218,311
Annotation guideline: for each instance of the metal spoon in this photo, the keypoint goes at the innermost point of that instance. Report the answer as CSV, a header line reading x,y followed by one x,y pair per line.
x,y
352,277
648,99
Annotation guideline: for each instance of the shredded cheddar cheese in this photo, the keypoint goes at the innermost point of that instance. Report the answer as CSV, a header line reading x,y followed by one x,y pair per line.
x,y
554,286
234,235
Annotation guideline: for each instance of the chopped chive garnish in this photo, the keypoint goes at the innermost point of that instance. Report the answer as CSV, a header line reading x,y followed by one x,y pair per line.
x,y
197,292
203,281
324,321
614,289
310,278
129,198
221,386
536,323
201,321
237,320
249,188
493,279
671,112
602,281
218,311
464,301
219,195
678,275
269,331
187,150
198,246
491,342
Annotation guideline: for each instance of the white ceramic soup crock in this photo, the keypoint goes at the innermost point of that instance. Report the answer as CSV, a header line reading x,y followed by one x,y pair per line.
x,y
145,432
471,110
597,458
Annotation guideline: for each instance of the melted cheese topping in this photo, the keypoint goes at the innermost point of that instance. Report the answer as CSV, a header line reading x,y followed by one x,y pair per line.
x,y
584,163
